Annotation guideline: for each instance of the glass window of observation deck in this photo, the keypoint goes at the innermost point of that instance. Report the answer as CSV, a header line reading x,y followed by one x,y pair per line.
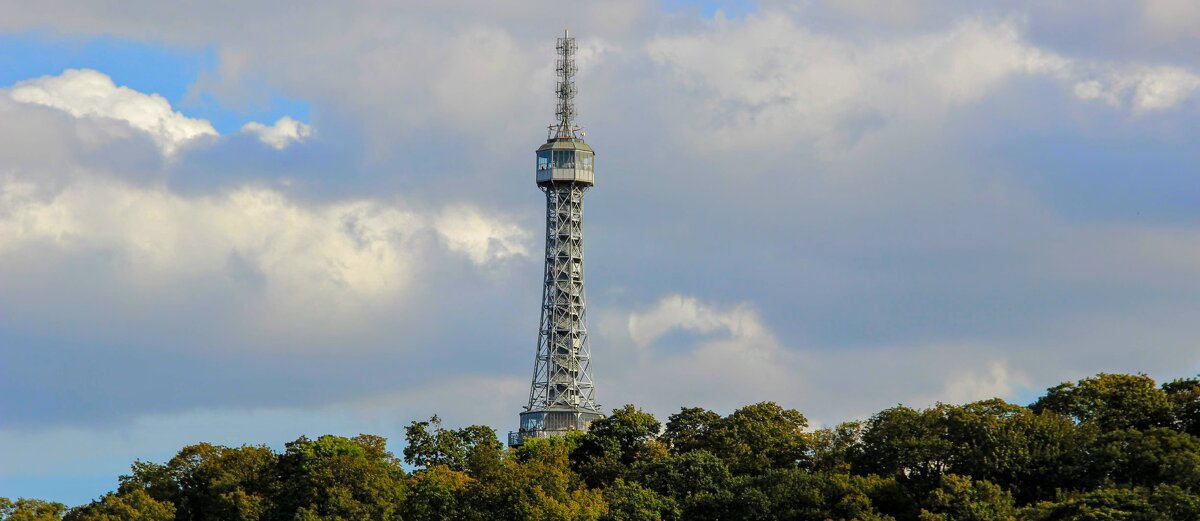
x,y
543,160
585,161
564,159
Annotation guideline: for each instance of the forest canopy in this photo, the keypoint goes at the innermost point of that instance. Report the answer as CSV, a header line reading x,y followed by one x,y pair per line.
x,y
1109,447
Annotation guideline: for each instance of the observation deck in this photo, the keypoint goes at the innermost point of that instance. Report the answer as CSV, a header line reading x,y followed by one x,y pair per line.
x,y
566,160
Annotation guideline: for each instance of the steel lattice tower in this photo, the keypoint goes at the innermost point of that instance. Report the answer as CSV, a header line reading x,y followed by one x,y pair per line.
x,y
562,396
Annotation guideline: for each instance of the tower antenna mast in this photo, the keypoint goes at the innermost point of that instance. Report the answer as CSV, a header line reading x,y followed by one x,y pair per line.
x,y
565,67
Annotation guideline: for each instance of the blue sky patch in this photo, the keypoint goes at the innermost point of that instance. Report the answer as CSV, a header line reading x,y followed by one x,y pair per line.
x,y
146,68
731,8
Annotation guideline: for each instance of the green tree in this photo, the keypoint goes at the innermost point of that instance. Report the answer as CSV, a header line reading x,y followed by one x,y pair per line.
x,y
699,482
616,443
1032,454
905,442
30,510
336,478
208,482
629,501
762,436
959,498
1150,457
474,448
1110,402
437,493
801,495
536,483
690,429
835,449
134,505
1160,503
1184,394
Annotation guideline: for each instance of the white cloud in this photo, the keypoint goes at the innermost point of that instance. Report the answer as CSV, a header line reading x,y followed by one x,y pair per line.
x,y
309,253
970,385
766,79
1143,89
689,314
86,93
1163,88
283,133
737,359
480,237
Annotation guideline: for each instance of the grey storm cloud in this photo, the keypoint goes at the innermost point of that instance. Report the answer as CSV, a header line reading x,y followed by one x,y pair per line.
x,y
829,205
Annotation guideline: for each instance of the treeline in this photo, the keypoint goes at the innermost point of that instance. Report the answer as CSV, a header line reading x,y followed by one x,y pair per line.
x,y
1110,447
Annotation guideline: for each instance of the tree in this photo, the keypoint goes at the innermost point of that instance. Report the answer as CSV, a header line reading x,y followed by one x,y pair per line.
x,y
615,444
1184,395
339,478
1031,454
835,449
535,483
437,493
1110,402
760,437
1150,457
1160,503
474,448
135,505
30,510
633,430
208,482
800,494
905,442
690,429
959,498
697,481
629,501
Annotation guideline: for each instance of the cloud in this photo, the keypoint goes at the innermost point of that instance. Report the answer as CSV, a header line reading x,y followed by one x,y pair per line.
x,y
481,237
1150,89
354,248
91,94
284,132
689,314
735,358
766,79
970,385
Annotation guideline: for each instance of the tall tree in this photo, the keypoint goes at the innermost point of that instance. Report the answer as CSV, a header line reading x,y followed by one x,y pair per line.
x,y
1110,402
475,448
762,436
30,510
135,505
208,482
339,478
615,444
690,429
1184,394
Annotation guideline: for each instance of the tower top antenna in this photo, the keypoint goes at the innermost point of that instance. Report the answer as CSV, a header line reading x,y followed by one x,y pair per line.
x,y
566,87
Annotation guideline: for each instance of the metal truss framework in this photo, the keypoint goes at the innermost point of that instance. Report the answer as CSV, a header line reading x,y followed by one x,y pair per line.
x,y
562,375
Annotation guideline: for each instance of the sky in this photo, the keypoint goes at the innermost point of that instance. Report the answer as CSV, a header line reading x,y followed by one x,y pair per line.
x,y
232,223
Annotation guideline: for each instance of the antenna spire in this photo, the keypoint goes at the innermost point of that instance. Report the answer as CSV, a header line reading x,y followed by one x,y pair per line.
x,y
566,86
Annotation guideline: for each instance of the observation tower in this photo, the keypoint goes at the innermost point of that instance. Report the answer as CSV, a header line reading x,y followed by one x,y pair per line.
x,y
562,397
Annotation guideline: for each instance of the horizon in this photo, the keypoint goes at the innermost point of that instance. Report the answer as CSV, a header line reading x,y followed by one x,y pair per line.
x,y
241,226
